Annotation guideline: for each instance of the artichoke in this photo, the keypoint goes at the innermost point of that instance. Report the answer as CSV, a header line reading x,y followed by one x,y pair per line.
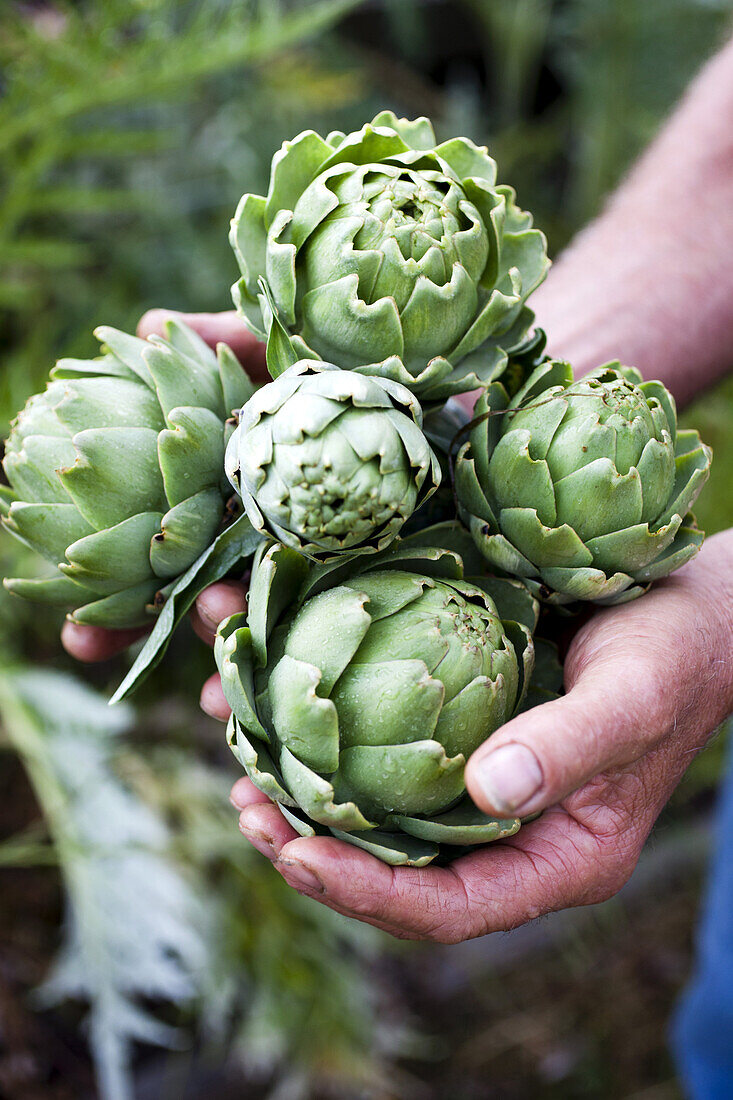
x,y
582,488
383,247
359,688
116,471
327,460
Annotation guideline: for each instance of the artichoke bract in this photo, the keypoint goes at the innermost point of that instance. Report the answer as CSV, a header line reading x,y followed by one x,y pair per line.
x,y
359,688
582,488
327,460
383,247
116,471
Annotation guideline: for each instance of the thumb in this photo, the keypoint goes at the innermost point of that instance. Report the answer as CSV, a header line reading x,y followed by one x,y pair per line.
x,y
613,714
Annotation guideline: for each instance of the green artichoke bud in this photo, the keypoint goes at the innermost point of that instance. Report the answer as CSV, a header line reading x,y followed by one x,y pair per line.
x,y
359,688
583,488
116,471
383,247
327,460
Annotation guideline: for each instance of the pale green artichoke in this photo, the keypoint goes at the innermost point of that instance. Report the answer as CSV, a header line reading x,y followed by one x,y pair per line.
x,y
116,472
359,688
582,489
382,247
327,460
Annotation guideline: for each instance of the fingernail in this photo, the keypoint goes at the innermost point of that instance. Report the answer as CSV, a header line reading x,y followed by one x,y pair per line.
x,y
509,777
300,877
262,843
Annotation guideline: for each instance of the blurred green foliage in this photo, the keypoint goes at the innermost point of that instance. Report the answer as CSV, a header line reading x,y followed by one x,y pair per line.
x,y
128,131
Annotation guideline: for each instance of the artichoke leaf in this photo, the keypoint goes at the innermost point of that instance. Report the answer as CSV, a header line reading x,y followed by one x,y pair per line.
x,y
692,469
183,381
108,560
395,849
512,599
473,506
280,268
583,583
236,385
633,548
59,591
257,762
248,237
190,453
465,825
481,706
106,403
548,547
237,682
466,160
417,133
306,723
115,475
685,545
281,353
346,330
327,631
277,574
104,366
317,798
417,777
596,500
500,552
34,470
387,703
188,342
293,168
520,638
184,529
121,610
387,592
47,528
518,481
234,545
128,349
304,828
428,561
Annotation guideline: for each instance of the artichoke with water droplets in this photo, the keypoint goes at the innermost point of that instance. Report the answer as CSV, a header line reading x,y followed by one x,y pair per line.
x,y
327,461
582,489
116,472
385,247
359,688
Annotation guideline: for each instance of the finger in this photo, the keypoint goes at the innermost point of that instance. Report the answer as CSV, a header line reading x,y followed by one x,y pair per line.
x,y
220,600
215,603
554,863
227,327
628,672
94,643
266,828
212,699
244,794
200,629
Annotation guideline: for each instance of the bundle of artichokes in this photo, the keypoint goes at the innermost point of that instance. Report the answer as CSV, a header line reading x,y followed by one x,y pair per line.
x,y
388,273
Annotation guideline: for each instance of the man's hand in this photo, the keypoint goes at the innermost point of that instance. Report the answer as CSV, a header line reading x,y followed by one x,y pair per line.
x,y
646,684
92,643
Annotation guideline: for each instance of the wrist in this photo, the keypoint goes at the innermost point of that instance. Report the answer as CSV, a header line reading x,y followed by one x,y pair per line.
x,y
707,584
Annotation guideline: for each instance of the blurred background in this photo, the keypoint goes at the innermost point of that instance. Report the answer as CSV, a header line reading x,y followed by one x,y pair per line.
x,y
145,950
